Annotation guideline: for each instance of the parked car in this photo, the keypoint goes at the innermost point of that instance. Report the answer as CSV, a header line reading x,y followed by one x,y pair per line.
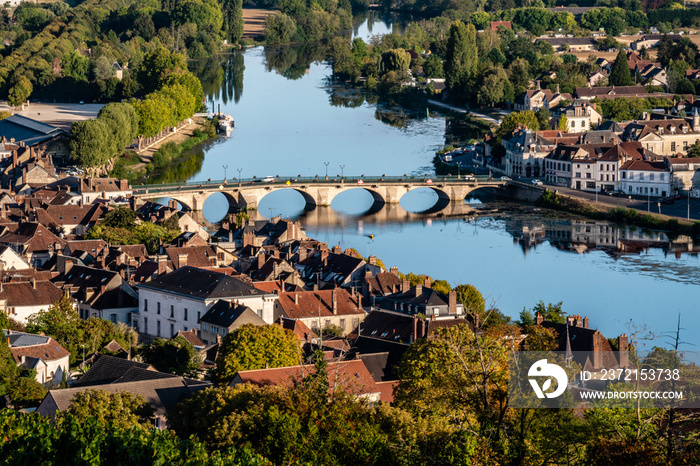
x,y
505,178
469,178
267,179
537,182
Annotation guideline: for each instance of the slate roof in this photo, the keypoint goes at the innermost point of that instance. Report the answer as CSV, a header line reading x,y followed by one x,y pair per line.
x,y
581,342
108,369
197,256
19,294
378,365
26,130
201,284
92,246
426,297
161,394
225,314
46,348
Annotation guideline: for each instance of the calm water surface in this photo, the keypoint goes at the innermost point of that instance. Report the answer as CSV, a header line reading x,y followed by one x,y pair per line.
x,y
290,119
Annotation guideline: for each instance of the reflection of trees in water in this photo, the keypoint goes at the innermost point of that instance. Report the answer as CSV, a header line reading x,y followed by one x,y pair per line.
x,y
293,61
183,168
393,117
221,76
460,130
344,97
210,73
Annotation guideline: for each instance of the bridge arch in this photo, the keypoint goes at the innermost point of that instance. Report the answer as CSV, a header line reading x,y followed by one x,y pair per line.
x,y
363,201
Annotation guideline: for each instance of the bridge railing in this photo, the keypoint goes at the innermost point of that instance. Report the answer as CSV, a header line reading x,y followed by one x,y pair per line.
x,y
297,180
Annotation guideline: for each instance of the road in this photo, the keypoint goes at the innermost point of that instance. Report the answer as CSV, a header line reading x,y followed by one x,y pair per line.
x,y
463,110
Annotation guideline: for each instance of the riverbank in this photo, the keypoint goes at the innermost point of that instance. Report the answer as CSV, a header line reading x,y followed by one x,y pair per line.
x,y
162,157
618,214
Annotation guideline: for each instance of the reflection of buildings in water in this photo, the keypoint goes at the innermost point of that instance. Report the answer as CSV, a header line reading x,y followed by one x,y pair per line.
x,y
583,236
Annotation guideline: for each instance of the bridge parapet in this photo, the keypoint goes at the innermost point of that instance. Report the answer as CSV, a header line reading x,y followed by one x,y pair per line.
x,y
316,190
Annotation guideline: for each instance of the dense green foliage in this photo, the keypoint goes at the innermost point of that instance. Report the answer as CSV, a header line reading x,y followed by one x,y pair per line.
x,y
307,20
620,74
255,347
33,439
58,52
129,232
62,322
20,386
176,356
123,410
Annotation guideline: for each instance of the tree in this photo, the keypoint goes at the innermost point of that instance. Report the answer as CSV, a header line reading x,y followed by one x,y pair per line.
x,y
563,123
176,356
492,90
461,57
543,117
102,68
90,143
123,409
394,60
59,321
255,347
550,312
525,118
471,299
694,150
620,74
20,92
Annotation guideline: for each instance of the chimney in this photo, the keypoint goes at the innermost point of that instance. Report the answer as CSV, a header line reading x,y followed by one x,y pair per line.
x,y
414,335
538,84
452,302
585,322
405,286
368,273
103,288
218,339
335,301
570,321
419,290
276,253
427,283
539,319
33,282
302,254
558,89
181,260
623,343
598,339
14,159
24,175
296,299
336,249
394,270
372,260
579,322
261,260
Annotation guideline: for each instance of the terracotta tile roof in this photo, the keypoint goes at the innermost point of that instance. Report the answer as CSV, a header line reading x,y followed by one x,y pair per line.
x,y
88,245
35,236
351,376
643,165
304,304
40,293
191,337
273,286
384,283
98,185
300,329
196,256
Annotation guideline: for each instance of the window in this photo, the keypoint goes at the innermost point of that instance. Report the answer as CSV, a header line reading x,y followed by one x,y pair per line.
x,y
158,308
113,318
651,177
199,315
685,145
624,175
172,311
661,177
158,328
588,175
673,146
342,324
186,315
601,177
172,330
145,305
205,327
145,325
578,174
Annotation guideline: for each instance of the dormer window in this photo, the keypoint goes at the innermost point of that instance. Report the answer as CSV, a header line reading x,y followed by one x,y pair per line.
x,y
660,130
673,130
685,129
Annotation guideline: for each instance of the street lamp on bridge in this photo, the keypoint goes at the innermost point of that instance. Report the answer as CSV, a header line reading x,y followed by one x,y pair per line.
x,y
225,168
239,175
326,164
342,176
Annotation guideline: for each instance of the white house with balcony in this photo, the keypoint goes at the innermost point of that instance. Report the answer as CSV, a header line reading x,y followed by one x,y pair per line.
x,y
176,301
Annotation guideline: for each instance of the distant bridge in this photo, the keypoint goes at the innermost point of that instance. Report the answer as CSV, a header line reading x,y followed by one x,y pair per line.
x,y
247,193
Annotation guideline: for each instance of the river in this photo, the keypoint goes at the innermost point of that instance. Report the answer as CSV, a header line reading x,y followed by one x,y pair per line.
x,y
292,120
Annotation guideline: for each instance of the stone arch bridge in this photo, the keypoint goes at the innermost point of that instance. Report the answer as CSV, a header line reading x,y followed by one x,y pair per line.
x,y
316,191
